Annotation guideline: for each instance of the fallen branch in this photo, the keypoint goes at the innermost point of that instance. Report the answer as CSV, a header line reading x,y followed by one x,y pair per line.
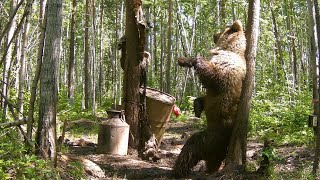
x,y
11,107
14,123
90,167
17,121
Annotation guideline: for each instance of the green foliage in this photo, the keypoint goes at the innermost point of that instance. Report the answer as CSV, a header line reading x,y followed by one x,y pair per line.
x,y
279,117
15,163
187,114
299,173
87,123
270,153
75,112
76,170
187,104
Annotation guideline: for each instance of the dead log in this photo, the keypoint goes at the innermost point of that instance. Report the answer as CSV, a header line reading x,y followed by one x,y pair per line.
x,y
90,167
14,123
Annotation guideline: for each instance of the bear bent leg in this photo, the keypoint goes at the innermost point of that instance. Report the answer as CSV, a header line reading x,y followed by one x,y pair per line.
x,y
190,155
209,146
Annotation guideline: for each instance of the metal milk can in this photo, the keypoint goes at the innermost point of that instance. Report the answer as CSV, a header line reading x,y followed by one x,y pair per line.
x,y
113,134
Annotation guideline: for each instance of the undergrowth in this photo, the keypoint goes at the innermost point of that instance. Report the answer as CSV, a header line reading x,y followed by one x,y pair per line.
x,y
282,119
17,163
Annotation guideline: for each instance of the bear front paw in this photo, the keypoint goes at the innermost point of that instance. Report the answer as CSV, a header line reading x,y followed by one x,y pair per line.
x,y
186,62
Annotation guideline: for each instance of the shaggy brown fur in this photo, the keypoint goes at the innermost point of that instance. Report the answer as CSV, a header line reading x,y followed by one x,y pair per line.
x,y
200,146
222,76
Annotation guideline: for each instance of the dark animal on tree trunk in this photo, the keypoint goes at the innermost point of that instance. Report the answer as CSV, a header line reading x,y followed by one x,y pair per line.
x,y
222,77
143,64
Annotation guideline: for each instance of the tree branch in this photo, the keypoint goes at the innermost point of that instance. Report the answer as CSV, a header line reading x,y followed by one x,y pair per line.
x,y
10,20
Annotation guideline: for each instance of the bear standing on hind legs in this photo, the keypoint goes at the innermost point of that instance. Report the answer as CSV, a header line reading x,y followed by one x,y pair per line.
x,y
222,77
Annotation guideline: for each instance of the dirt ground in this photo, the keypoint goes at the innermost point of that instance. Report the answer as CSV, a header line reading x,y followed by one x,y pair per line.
x,y
105,166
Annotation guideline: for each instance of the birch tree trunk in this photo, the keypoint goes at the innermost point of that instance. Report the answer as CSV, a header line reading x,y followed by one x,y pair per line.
x,y
313,55
7,55
24,49
317,150
12,16
46,133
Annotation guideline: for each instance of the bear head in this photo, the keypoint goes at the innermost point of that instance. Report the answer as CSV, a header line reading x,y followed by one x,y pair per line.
x,y
231,39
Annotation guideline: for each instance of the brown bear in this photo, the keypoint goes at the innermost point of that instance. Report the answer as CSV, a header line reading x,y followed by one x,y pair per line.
x,y
222,77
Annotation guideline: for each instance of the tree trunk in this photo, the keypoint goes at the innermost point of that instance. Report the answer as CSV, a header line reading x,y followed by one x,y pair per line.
x,y
22,72
11,19
313,55
295,62
135,48
42,22
187,45
7,56
291,42
86,58
24,49
101,69
317,150
114,58
72,53
279,55
237,146
93,46
120,34
222,5
169,51
162,47
46,133
155,44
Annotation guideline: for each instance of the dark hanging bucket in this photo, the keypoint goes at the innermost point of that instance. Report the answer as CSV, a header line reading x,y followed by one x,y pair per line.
x,y
159,108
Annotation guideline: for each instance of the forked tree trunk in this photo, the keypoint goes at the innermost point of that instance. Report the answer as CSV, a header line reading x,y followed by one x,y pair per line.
x,y
46,133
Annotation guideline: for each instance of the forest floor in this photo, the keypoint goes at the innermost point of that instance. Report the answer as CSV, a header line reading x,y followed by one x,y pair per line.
x,y
292,162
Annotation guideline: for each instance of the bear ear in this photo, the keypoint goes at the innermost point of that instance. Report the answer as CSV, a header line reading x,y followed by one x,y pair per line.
x,y
236,26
